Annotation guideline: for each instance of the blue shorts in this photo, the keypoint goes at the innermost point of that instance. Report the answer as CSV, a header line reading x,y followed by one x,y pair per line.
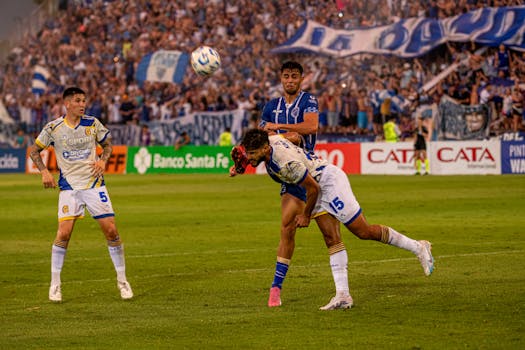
x,y
294,190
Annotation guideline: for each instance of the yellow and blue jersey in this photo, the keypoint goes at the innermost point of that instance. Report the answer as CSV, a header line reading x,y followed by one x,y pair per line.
x,y
75,150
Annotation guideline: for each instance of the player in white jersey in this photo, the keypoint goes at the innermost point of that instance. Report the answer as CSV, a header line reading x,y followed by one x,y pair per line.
x,y
328,190
74,137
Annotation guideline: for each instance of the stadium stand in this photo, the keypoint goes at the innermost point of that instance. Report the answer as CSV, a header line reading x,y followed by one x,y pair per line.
x,y
97,45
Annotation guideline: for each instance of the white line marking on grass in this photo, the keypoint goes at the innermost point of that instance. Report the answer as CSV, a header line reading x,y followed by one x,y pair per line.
x,y
175,274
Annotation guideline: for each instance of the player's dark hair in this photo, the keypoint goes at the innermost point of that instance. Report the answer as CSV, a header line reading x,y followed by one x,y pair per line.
x,y
292,65
254,139
70,91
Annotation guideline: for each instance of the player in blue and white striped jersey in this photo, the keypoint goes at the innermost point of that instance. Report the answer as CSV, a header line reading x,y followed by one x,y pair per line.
x,y
295,111
74,137
328,191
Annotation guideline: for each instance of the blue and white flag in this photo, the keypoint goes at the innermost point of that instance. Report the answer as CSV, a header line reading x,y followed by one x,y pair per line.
x,y
413,37
162,66
39,81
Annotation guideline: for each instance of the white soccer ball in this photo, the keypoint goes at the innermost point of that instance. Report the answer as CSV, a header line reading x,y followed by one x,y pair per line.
x,y
205,60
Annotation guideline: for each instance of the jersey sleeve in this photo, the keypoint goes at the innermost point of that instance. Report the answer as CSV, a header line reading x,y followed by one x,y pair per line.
x,y
101,131
266,113
45,138
312,106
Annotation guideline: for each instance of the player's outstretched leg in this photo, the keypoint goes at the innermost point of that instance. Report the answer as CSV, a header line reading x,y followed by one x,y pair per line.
x,y
387,235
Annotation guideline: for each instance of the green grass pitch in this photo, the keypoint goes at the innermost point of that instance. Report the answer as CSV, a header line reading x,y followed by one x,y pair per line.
x,y
200,253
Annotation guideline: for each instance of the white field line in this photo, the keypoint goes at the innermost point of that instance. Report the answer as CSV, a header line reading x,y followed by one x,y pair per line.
x,y
154,276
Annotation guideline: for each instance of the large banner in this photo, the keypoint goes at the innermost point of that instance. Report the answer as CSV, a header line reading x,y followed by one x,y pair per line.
x,y
460,122
413,37
186,160
203,128
465,157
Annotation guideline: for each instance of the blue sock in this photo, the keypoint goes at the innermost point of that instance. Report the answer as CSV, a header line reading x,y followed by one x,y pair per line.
x,y
280,273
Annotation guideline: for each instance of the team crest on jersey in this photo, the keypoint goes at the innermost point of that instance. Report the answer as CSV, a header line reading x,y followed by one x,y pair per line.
x,y
295,112
88,131
65,209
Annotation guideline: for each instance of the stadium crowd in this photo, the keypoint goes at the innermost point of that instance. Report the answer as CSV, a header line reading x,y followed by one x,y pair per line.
x,y
97,45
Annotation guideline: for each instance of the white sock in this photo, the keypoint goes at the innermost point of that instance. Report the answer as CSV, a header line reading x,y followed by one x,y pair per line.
x,y
401,241
117,256
339,265
58,254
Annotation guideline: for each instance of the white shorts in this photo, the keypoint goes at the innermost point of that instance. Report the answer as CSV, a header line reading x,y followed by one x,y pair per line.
x,y
336,196
72,203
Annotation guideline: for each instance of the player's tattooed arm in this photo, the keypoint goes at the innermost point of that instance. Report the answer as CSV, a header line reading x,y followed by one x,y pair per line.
x,y
99,166
107,148
47,179
34,153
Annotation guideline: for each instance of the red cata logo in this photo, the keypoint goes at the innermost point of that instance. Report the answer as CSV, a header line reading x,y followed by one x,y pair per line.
x,y
401,155
467,154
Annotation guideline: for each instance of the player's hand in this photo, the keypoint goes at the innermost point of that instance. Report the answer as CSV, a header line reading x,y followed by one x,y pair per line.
x,y
302,220
269,127
48,180
98,167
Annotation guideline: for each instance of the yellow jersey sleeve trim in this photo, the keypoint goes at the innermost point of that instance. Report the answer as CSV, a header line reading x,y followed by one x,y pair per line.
x,y
39,144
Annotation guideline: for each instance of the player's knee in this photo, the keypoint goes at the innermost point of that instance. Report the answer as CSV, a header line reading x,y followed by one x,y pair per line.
x,y
111,232
63,234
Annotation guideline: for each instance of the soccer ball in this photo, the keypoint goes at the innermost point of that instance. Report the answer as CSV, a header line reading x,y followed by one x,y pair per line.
x,y
205,60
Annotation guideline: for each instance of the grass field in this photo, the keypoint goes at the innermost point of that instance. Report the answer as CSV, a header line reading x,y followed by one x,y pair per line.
x,y
200,255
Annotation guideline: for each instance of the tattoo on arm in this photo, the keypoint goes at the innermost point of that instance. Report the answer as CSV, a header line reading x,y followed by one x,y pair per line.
x,y
107,148
34,153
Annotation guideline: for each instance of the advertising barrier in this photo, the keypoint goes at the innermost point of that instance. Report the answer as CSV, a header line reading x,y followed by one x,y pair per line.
x,y
187,160
387,158
12,160
381,158
465,157
513,157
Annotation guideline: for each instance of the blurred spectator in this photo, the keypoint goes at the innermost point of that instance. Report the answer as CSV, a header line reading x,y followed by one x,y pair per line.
x,y
391,130
20,140
183,140
225,138
145,136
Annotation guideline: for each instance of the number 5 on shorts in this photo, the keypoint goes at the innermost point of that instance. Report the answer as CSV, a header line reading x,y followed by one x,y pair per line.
x,y
103,197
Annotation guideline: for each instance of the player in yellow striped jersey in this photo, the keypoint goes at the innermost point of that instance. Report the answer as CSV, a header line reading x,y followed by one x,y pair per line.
x,y
74,137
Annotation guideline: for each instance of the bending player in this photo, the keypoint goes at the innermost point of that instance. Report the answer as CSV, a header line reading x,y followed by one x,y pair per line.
x,y
328,191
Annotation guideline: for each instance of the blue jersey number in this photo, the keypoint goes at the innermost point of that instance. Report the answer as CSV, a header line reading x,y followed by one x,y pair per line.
x,y
337,204
103,197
